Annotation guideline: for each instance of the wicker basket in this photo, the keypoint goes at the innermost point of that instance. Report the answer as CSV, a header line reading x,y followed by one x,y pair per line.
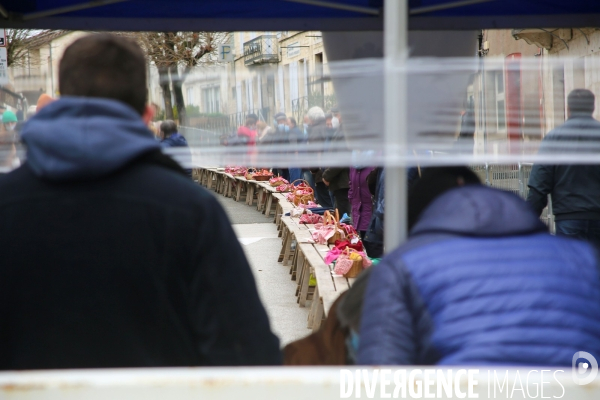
x,y
277,182
262,178
239,172
349,256
284,188
249,173
333,220
356,269
300,198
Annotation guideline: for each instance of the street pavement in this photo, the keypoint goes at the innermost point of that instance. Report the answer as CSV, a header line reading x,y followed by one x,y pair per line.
x,y
258,236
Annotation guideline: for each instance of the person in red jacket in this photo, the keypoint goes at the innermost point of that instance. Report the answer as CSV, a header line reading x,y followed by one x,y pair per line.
x,y
248,130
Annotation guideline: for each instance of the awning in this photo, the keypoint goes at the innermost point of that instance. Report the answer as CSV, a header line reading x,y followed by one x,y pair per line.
x,y
265,15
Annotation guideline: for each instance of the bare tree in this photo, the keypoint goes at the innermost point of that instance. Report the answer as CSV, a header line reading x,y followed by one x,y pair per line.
x,y
175,55
156,45
18,43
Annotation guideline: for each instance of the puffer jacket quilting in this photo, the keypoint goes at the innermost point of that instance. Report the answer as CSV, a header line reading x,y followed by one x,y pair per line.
x,y
480,282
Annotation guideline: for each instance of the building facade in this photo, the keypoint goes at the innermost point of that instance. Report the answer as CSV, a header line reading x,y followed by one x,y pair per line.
x,y
39,73
521,95
271,72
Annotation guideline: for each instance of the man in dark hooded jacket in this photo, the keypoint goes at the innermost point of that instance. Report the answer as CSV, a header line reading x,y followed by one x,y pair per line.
x,y
111,256
480,281
173,139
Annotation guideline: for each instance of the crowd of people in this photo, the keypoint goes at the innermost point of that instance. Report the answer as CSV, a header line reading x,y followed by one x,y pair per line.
x,y
113,257
346,189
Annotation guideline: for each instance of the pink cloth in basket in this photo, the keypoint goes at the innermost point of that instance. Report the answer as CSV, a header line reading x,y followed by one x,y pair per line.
x,y
332,255
323,232
343,264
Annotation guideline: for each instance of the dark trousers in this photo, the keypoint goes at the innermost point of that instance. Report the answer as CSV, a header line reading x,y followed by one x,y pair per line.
x,y
583,229
332,197
322,195
295,173
373,250
308,177
341,201
284,173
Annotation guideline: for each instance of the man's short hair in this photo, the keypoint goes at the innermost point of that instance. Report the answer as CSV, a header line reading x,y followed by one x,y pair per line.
x,y
106,66
252,116
168,128
581,101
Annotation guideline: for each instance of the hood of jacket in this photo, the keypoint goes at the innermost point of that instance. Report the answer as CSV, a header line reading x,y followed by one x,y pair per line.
x,y
77,138
477,210
175,140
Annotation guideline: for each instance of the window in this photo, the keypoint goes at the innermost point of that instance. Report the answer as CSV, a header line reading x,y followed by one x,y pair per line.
x,y
249,95
238,96
211,97
500,102
293,81
280,87
190,96
293,49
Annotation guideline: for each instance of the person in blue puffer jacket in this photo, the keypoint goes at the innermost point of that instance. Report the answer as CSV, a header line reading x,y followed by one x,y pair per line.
x,y
172,138
480,281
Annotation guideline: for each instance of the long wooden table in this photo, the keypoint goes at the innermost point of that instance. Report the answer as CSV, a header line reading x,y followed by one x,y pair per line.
x,y
298,251
306,259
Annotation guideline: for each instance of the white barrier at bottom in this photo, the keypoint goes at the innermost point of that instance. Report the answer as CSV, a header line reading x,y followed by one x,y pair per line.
x,y
312,383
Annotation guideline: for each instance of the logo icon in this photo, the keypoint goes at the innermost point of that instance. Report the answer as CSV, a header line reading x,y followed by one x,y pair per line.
x,y
584,372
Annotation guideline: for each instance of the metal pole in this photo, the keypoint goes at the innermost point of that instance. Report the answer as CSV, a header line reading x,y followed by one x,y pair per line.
x,y
51,70
483,96
395,135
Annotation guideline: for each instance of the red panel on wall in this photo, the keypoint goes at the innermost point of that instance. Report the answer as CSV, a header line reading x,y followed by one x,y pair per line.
x,y
514,101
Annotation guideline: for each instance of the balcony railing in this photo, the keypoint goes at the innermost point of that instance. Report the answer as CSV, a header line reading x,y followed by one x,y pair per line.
x,y
261,50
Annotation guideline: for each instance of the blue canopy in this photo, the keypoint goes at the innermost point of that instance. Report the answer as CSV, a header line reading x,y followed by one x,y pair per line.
x,y
265,15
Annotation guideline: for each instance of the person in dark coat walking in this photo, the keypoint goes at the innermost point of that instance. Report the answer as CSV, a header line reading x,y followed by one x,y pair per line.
x,y
574,189
480,281
173,139
280,137
296,140
360,198
317,134
337,179
111,256
373,240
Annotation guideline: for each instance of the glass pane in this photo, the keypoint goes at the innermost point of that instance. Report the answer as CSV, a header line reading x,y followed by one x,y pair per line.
x,y
501,116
